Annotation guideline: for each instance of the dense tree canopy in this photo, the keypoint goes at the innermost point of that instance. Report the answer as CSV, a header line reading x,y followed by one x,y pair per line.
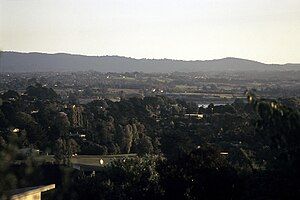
x,y
246,150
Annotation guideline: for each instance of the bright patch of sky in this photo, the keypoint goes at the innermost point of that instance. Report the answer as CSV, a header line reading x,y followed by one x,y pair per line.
x,y
262,30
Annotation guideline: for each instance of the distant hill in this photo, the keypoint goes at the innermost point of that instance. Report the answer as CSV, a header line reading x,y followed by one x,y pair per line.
x,y
42,62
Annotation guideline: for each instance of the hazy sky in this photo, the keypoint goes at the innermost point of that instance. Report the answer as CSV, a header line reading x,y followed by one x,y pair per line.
x,y
263,30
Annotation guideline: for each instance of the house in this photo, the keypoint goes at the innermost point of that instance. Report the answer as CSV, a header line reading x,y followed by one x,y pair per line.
x,y
195,116
28,151
30,193
94,163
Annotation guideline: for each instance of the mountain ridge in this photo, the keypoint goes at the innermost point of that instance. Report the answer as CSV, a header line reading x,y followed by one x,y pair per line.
x,y
12,61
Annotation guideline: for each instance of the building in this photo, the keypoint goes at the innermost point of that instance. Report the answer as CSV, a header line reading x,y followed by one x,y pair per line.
x,y
30,193
29,151
93,163
195,116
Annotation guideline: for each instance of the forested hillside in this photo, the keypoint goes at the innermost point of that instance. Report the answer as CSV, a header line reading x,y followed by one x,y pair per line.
x,y
60,62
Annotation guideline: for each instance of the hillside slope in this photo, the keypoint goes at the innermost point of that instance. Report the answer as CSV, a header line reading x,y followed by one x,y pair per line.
x,y
42,62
